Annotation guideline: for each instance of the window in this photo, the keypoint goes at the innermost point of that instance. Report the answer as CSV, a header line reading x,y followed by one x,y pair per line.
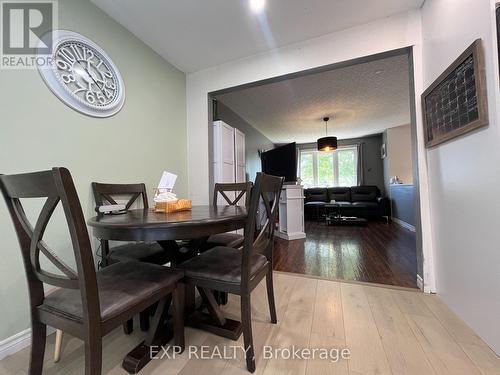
x,y
324,169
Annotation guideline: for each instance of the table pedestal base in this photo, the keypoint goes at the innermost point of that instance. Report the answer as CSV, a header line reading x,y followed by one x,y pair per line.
x,y
231,329
142,354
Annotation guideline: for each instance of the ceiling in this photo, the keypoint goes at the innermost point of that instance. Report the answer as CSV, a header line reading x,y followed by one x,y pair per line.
x,y
197,34
361,100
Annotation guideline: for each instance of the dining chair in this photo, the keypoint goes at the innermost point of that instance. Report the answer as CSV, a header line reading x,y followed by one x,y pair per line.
x,y
87,303
240,190
150,252
237,271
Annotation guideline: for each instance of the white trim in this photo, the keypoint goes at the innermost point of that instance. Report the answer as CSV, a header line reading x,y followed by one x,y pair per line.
x,y
290,236
420,282
404,224
17,342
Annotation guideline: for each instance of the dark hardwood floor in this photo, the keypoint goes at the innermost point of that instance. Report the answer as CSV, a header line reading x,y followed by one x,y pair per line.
x,y
378,253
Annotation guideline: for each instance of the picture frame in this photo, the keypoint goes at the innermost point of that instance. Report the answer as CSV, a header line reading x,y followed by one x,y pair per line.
x,y
456,102
497,11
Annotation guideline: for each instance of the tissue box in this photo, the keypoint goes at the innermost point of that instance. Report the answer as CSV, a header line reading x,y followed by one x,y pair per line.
x,y
173,206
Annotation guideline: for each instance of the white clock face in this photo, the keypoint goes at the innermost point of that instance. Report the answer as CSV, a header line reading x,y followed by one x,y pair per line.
x,y
83,76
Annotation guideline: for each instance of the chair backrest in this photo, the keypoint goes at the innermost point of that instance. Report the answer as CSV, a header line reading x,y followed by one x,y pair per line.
x,y
240,190
104,193
265,195
57,186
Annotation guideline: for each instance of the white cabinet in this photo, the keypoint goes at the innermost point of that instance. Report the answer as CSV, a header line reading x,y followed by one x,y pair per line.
x,y
224,157
229,158
239,154
229,153
291,213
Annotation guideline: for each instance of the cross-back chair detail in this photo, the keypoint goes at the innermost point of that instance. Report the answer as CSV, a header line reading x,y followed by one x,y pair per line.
x,y
57,187
38,245
79,312
262,242
240,189
104,193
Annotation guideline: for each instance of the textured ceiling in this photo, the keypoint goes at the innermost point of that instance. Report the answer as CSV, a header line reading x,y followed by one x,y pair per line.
x,y
197,34
362,99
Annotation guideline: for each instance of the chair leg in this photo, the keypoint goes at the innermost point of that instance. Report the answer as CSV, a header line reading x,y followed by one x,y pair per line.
x,y
93,356
128,327
38,337
246,322
57,346
178,307
224,298
144,320
270,296
221,297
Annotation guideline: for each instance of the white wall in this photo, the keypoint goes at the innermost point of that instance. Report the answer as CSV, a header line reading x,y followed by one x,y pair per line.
x,y
390,33
464,179
380,36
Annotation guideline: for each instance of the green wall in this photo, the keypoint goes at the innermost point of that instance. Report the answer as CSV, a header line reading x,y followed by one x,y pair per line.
x,y
38,131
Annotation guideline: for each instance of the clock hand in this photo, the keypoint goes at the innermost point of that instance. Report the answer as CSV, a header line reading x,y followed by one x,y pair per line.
x,y
91,76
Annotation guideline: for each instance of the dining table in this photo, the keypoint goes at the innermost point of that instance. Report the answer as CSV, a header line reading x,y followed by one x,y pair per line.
x,y
195,224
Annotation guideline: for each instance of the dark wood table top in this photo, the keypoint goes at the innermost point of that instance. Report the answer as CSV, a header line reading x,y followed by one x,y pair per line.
x,y
147,225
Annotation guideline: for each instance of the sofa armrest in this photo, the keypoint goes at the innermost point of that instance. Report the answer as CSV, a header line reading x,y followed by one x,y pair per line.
x,y
384,205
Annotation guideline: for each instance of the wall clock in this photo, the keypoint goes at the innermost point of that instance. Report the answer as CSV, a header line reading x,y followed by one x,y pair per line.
x,y
82,75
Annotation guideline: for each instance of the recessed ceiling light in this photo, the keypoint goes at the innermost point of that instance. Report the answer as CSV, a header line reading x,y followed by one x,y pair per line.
x,y
257,6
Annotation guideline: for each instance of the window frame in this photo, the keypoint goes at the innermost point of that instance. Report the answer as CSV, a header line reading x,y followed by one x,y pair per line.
x,y
315,154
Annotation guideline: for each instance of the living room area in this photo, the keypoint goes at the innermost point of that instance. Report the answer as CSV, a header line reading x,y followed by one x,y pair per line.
x,y
344,136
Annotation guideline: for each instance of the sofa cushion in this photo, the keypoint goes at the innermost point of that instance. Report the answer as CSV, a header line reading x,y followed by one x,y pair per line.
x,y
365,204
364,193
316,195
339,194
341,204
314,204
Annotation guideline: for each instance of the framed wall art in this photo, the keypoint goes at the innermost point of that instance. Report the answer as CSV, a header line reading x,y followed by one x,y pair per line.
x,y
456,102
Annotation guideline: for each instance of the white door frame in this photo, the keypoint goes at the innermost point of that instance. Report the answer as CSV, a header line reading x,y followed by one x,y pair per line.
x,y
417,85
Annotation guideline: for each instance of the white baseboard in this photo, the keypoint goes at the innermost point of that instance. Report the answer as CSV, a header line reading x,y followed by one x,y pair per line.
x,y
420,282
404,224
17,342
290,236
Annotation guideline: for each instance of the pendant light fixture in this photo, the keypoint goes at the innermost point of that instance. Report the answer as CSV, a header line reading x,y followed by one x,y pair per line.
x,y
327,143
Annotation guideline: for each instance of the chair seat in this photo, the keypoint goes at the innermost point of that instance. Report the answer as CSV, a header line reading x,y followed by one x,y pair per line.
x,y
233,240
121,286
140,252
221,264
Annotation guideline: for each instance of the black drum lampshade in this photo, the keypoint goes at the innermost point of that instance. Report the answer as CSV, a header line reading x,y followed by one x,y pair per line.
x,y
327,143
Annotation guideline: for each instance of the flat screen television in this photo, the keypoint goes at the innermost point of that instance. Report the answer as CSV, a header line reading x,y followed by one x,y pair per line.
x,y
281,161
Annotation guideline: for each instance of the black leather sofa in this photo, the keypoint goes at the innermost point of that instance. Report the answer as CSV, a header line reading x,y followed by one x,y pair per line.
x,y
359,201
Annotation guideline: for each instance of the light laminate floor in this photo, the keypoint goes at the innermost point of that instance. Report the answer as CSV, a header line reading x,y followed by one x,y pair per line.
x,y
388,331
